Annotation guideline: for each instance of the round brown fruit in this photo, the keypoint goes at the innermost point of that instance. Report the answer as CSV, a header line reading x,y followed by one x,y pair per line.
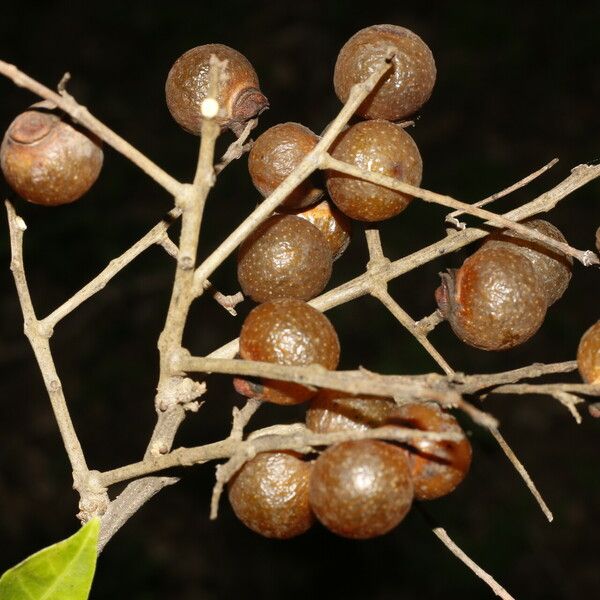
x,y
588,354
239,95
46,159
404,89
378,147
285,257
331,410
494,301
288,332
552,268
275,154
334,225
436,467
269,494
361,489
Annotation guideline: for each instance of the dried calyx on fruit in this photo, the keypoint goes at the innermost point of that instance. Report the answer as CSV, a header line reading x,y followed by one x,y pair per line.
x,y
333,224
494,301
46,159
275,154
436,467
552,268
361,489
379,147
408,85
239,95
285,257
269,494
287,332
588,354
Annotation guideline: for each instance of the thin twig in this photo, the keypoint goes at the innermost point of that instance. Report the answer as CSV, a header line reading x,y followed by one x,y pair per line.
x,y
522,472
586,257
80,114
238,148
299,439
453,216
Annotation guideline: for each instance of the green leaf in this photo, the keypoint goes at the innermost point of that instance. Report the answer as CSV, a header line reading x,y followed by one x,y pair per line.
x,y
63,571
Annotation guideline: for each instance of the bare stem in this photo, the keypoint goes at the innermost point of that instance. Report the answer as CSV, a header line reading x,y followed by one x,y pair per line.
x,y
81,115
39,338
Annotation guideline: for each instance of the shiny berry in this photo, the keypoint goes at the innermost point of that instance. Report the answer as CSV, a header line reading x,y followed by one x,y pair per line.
x,y
552,268
361,489
436,467
331,410
269,494
404,89
588,354
334,225
379,147
275,154
285,257
46,159
239,96
288,332
494,301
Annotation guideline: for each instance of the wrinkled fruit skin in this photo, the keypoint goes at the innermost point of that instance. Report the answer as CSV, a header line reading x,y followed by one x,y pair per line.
x,y
494,301
285,257
334,225
436,467
275,154
288,332
588,355
331,410
405,89
269,494
361,489
552,268
48,161
239,97
379,147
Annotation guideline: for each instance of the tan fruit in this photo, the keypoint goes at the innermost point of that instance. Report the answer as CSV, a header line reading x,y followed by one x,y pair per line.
x,y
378,147
405,88
588,354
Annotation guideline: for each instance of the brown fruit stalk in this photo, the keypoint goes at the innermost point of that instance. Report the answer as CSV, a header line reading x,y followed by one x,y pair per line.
x,y
285,257
404,89
239,95
46,159
494,301
361,489
588,354
552,268
378,147
275,154
287,332
269,494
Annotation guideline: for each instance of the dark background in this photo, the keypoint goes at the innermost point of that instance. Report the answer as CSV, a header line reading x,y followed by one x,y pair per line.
x,y
517,86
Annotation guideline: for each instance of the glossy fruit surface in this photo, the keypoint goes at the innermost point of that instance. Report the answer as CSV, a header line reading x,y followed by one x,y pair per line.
x,y
405,89
285,257
333,224
552,268
47,160
494,301
588,355
361,489
379,147
239,96
288,332
436,467
275,154
269,494
331,410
